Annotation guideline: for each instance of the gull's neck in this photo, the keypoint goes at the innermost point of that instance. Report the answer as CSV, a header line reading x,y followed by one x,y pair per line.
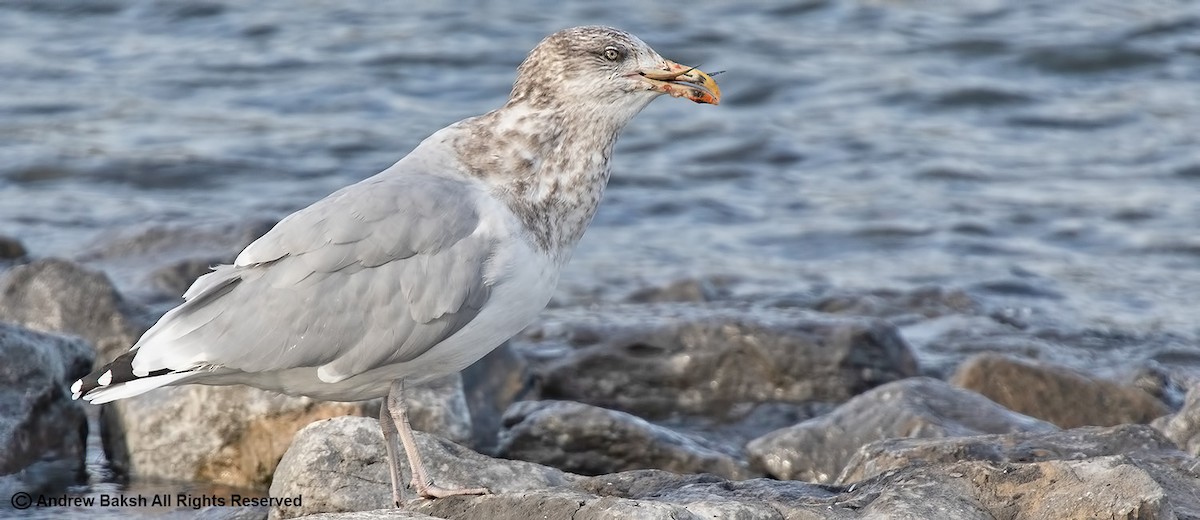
x,y
548,164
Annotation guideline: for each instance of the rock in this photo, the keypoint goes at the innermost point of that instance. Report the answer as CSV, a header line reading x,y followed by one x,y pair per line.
x,y
1183,428
440,407
43,433
11,248
376,514
236,435
1056,394
816,450
59,296
218,513
341,465
491,384
337,465
901,307
1103,487
156,263
588,440
687,290
1081,443
665,360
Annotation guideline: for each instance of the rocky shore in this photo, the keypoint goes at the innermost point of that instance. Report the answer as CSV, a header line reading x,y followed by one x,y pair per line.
x,y
682,401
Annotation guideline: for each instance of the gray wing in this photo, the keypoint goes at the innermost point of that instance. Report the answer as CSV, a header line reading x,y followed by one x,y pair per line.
x,y
376,273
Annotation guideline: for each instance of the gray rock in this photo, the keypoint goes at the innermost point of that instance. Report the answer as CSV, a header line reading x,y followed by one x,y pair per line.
x,y
340,465
901,307
491,385
43,433
817,450
1183,428
236,435
374,514
59,296
1056,394
11,248
156,263
218,513
1081,443
337,465
589,440
663,360
708,289
1102,487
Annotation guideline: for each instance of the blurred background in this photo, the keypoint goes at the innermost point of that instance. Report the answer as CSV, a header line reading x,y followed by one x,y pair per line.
x,y
1043,156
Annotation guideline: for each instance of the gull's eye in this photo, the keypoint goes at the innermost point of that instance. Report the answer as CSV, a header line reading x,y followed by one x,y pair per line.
x,y
612,53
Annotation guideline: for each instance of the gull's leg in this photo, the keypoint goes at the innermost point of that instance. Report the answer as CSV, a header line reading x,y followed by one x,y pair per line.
x,y
420,480
388,425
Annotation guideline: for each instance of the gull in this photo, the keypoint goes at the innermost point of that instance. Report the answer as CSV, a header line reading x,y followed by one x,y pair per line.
x,y
424,268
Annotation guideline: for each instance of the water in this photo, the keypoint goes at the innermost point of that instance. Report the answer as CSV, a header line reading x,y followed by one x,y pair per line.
x,y
1043,155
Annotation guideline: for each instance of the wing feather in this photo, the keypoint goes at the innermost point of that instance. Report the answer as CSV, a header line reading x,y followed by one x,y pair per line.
x,y
376,273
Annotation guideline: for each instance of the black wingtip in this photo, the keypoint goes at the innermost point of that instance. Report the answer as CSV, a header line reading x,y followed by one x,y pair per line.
x,y
115,373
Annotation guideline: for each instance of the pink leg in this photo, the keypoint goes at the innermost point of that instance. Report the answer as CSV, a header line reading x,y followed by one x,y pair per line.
x,y
420,479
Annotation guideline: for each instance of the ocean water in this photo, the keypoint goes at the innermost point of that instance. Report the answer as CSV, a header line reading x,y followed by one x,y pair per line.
x,y
1042,155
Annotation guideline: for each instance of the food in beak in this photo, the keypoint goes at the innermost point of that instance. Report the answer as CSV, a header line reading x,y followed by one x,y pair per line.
x,y
682,81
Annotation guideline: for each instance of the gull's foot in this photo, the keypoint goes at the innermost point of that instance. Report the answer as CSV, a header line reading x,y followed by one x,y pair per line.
x,y
433,491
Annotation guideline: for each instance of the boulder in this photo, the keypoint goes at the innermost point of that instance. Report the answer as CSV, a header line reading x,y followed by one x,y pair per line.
x,y
1183,427
1081,443
43,433
236,435
341,465
708,289
1056,394
156,263
1102,487
659,361
491,384
53,295
589,440
337,465
900,307
816,450
11,249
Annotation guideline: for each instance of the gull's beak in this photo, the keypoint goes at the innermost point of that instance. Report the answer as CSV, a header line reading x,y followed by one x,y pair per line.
x,y
683,81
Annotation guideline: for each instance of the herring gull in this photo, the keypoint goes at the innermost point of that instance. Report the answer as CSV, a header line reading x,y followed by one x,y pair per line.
x,y
424,268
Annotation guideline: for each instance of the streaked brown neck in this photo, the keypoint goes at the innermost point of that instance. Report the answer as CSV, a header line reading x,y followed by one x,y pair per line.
x,y
548,163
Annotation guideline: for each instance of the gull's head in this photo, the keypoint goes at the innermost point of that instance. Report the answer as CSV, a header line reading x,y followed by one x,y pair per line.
x,y
607,68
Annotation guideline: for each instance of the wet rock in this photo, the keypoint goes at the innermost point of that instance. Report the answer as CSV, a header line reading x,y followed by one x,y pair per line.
x,y
337,465
901,307
1081,443
1183,428
686,290
236,435
155,264
817,450
59,296
491,384
42,431
11,249
341,465
589,440
1056,394
665,360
